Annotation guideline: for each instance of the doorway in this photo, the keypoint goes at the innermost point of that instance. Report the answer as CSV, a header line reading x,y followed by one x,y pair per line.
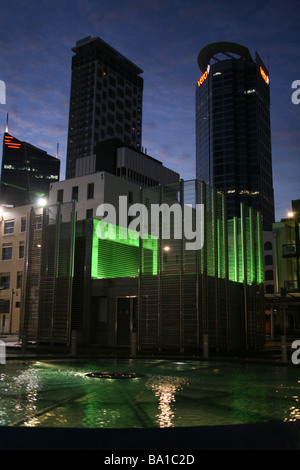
x,y
126,319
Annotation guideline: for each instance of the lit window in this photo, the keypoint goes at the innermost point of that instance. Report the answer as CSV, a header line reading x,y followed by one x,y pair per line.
x,y
9,227
23,224
38,223
19,280
21,250
5,281
6,252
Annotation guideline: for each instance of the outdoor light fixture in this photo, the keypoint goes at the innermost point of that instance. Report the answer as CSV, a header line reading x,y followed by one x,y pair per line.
x,y
42,202
290,214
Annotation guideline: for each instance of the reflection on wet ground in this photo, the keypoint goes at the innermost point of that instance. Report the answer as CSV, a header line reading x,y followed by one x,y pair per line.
x,y
151,394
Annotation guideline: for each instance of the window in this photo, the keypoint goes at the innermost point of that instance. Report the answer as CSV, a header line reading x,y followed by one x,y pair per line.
x,y
4,306
9,226
6,251
268,260
75,193
90,190
38,223
268,246
60,195
19,280
269,275
21,250
23,224
269,289
89,213
5,281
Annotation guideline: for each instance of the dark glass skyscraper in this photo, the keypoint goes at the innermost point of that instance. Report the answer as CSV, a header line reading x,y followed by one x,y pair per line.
x,y
105,101
26,172
233,136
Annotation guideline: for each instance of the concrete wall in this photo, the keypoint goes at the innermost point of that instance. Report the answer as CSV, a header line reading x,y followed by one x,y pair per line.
x,y
107,189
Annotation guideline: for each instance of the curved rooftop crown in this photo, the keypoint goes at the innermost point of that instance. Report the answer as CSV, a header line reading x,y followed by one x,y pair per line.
x,y
208,52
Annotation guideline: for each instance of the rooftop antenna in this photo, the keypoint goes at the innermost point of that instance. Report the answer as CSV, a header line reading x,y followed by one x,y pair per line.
x,y
6,128
57,149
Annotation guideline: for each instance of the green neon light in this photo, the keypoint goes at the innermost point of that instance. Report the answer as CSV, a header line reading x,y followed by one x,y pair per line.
x,y
251,251
259,250
116,253
221,251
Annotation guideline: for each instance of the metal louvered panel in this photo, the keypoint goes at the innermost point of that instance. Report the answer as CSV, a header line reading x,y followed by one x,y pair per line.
x,y
193,292
31,289
49,275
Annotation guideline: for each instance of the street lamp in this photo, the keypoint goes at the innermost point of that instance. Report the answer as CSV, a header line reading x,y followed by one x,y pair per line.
x,y
42,201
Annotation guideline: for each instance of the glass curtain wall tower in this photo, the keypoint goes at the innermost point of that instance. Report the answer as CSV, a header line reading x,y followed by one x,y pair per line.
x,y
105,100
233,137
26,172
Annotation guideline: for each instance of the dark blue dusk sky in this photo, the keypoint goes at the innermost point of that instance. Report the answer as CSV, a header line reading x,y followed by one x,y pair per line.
x,y
164,38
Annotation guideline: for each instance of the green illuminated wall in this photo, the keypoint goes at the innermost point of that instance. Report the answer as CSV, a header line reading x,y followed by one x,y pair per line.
x,y
245,251
118,254
233,246
216,290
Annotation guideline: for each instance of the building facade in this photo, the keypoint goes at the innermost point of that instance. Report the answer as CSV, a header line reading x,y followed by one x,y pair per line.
x,y
109,289
114,157
233,137
14,229
26,172
283,301
106,100
92,190
269,263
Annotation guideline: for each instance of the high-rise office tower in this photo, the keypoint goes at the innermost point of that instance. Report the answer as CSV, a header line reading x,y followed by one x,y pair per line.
x,y
26,172
233,137
105,101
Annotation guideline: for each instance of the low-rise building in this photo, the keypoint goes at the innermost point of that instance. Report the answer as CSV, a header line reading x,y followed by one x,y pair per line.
x,y
13,241
282,300
109,290
91,190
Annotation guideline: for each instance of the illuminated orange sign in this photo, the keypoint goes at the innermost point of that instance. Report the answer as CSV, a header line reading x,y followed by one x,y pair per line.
x,y
11,143
202,78
264,75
